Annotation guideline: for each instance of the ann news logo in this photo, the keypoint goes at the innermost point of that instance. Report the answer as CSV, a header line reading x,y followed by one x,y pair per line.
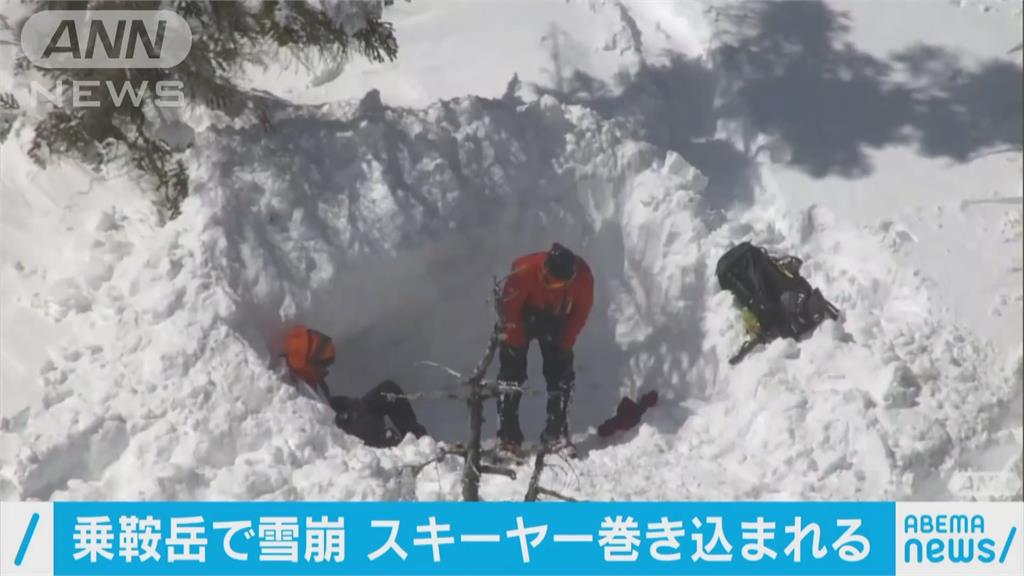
x,y
104,40
960,538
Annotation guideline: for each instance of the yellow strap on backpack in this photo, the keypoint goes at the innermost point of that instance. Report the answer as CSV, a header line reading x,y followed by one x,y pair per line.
x,y
750,322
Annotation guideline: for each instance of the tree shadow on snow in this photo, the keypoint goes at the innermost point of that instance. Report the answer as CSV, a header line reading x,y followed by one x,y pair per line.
x,y
673,106
789,70
792,72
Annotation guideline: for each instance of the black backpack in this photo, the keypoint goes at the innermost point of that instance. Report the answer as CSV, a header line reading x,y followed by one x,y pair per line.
x,y
776,301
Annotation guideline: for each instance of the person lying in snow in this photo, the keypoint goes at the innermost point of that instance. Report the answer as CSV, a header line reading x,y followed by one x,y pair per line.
x,y
309,355
775,300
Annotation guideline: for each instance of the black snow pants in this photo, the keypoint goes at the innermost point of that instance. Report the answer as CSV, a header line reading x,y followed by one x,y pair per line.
x,y
559,375
366,417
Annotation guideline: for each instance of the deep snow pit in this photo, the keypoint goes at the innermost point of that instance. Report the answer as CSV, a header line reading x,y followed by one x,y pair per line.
x,y
384,227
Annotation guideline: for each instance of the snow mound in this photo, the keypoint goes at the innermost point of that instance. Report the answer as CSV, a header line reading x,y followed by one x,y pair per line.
x,y
384,227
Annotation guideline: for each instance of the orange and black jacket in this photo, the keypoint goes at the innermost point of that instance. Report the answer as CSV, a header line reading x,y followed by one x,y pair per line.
x,y
525,290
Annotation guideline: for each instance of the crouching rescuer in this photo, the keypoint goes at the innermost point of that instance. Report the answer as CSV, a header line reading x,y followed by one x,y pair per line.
x,y
547,297
310,354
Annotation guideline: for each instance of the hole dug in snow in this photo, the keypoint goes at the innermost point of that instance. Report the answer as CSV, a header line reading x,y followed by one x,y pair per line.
x,y
384,230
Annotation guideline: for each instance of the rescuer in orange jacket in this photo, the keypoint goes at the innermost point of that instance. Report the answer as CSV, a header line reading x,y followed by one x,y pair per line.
x,y
547,297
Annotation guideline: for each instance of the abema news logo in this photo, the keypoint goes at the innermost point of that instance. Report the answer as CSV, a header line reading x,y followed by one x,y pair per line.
x,y
960,538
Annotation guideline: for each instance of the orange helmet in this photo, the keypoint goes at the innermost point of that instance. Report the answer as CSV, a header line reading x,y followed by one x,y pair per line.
x,y
309,353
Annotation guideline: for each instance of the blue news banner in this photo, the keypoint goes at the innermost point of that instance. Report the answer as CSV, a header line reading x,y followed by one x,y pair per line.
x,y
91,538
595,538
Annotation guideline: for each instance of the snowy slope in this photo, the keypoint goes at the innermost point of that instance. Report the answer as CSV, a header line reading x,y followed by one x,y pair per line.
x,y
380,217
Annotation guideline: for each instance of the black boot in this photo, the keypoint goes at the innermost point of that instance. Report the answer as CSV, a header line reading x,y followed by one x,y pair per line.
x,y
509,432
556,427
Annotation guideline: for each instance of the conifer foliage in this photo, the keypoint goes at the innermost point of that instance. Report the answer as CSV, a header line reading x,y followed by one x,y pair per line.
x,y
225,37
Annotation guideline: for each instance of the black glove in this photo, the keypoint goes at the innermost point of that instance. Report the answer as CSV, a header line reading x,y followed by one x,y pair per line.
x,y
345,411
545,327
344,419
391,437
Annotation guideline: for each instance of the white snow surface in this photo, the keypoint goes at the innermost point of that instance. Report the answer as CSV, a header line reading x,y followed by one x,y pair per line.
x,y
139,360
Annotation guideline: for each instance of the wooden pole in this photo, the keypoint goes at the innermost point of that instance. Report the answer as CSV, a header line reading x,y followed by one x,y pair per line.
x,y
472,469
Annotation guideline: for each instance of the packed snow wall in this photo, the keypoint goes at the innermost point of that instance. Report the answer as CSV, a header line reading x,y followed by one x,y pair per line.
x,y
384,226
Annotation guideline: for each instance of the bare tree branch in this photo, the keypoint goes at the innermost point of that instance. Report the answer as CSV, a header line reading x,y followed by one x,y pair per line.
x,y
450,371
442,453
472,469
553,494
498,470
535,489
